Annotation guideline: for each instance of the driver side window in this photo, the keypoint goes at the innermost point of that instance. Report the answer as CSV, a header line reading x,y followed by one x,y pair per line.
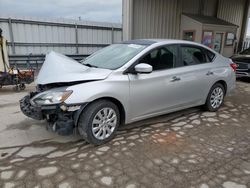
x,y
162,58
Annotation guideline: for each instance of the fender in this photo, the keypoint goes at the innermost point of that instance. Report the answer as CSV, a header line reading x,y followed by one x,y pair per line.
x,y
88,92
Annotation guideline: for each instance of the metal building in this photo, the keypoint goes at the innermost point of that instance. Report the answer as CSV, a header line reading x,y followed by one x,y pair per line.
x,y
39,36
163,19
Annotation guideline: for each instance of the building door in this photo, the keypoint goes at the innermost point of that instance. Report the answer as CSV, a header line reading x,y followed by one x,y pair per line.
x,y
218,42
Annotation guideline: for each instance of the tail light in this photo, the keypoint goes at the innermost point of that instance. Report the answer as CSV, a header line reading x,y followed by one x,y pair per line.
x,y
234,66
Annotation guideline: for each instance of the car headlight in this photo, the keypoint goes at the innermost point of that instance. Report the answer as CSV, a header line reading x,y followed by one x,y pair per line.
x,y
51,97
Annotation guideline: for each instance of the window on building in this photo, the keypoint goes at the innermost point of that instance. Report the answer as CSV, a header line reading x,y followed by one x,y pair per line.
x,y
189,35
230,39
207,38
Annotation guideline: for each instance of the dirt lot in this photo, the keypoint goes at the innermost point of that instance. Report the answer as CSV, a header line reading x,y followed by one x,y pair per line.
x,y
191,148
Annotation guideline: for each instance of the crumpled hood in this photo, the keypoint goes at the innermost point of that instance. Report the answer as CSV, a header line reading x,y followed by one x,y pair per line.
x,y
58,68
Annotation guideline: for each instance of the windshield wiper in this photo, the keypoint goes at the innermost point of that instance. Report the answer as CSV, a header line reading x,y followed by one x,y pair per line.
x,y
89,65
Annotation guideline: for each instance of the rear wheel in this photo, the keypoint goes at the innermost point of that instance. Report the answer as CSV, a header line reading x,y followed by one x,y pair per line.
x,y
99,122
215,97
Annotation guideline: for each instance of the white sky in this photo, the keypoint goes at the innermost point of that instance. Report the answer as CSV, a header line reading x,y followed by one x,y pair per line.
x,y
248,27
94,10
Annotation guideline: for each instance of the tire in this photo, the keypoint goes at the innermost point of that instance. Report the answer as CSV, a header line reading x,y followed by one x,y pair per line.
x,y
214,102
22,86
94,126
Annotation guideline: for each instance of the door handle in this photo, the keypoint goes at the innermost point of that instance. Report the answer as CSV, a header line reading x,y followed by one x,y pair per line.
x,y
210,73
175,78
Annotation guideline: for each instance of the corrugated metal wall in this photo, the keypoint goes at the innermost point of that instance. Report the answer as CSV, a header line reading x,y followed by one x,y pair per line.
x,y
205,7
158,18
35,36
191,6
127,18
161,18
232,11
209,7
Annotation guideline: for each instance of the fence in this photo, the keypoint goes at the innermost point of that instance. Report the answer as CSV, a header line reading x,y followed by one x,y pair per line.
x,y
31,38
34,61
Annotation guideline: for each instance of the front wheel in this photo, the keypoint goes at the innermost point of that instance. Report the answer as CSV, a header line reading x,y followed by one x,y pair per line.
x,y
215,97
99,122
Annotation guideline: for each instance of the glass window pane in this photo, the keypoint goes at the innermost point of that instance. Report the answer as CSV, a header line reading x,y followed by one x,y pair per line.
x,y
192,56
162,58
114,56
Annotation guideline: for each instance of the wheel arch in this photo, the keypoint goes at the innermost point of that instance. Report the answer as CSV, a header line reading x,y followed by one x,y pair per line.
x,y
112,99
207,104
223,83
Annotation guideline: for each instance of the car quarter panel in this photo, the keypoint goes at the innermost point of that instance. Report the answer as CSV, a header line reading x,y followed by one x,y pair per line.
x,y
223,72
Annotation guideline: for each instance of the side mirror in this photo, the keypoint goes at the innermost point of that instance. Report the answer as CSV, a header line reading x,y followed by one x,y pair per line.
x,y
143,68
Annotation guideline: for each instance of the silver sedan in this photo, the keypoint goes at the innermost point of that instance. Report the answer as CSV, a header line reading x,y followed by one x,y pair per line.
x,y
127,82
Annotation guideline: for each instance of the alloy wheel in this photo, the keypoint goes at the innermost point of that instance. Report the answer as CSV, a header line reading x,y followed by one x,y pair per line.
x,y
104,123
216,98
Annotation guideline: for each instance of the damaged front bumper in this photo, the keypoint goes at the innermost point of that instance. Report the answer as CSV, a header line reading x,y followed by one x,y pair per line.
x,y
29,110
61,118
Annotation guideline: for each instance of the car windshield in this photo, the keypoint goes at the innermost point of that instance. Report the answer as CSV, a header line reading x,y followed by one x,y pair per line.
x,y
245,52
113,56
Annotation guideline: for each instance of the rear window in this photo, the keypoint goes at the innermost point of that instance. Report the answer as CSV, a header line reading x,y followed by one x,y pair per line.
x,y
210,55
192,55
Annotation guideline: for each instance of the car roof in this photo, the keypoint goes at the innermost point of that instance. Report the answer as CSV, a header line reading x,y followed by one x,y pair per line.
x,y
146,42
160,42
149,42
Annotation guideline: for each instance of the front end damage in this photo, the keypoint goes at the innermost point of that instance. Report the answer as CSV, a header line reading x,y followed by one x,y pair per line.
x,y
61,118
57,74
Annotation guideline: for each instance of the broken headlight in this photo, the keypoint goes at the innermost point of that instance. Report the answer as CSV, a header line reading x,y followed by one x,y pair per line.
x,y
51,97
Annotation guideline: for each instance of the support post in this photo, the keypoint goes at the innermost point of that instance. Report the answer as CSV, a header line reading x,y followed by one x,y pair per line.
x,y
127,17
77,44
244,26
11,36
112,35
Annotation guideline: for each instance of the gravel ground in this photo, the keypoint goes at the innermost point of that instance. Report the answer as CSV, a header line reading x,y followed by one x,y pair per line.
x,y
191,148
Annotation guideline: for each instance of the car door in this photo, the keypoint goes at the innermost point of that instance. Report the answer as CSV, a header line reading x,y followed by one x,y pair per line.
x,y
195,73
168,88
155,93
